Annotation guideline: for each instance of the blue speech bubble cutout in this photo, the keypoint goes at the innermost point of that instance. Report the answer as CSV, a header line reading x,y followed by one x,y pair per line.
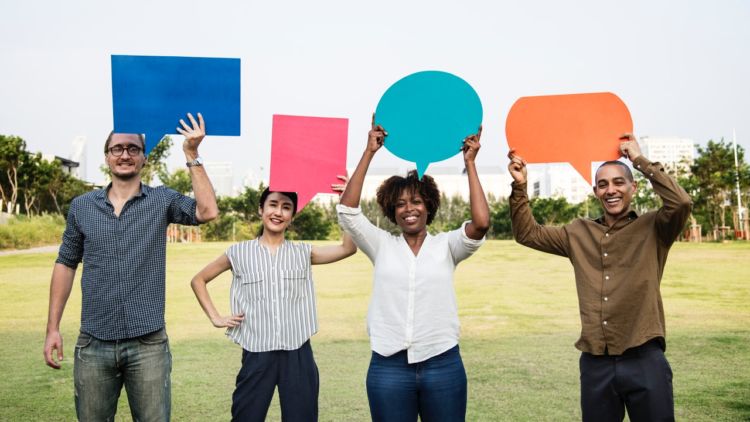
x,y
427,116
150,94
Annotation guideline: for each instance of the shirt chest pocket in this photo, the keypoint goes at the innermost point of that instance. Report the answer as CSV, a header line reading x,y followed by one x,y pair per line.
x,y
295,284
252,286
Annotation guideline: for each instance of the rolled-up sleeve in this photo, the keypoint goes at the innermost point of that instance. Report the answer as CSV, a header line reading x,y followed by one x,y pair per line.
x,y
461,245
366,236
71,249
182,209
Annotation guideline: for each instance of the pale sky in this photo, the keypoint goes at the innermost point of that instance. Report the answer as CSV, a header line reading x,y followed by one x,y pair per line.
x,y
680,66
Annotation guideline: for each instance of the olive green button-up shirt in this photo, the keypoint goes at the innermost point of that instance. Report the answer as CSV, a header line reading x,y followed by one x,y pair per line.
x,y
618,269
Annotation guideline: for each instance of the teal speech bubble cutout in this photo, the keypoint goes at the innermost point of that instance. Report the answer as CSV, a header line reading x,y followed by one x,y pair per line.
x,y
427,116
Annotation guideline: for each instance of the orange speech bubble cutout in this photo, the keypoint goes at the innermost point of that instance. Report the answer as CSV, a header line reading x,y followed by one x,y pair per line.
x,y
576,128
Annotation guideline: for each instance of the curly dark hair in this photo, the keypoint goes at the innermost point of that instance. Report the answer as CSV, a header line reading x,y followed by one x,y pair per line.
x,y
391,189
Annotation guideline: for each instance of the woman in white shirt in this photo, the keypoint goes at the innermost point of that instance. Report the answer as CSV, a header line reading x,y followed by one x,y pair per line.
x,y
416,367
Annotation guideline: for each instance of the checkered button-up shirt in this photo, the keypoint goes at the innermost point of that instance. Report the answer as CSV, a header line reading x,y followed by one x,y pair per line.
x,y
123,256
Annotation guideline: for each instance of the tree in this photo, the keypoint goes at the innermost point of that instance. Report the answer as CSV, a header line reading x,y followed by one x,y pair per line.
x,y
553,211
30,184
712,180
179,180
500,224
644,198
12,152
451,214
310,224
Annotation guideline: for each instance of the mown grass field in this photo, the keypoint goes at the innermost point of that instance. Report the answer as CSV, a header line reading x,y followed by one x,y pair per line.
x,y
519,318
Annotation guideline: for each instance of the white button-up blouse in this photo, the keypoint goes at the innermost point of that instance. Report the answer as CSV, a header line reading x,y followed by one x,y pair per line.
x,y
413,302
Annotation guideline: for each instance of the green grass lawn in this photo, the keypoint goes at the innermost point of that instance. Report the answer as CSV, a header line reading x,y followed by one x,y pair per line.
x,y
519,319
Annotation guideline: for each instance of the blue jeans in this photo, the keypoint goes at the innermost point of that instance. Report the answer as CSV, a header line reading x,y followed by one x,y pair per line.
x,y
143,364
434,389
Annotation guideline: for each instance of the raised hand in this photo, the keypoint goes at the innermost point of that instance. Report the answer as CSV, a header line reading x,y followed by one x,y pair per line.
x,y
340,187
376,136
629,146
517,167
194,133
471,146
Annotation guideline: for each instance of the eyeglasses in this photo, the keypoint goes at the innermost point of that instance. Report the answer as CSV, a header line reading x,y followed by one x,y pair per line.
x,y
117,150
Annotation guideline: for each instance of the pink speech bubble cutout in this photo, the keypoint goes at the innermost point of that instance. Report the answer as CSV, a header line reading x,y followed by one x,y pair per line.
x,y
307,153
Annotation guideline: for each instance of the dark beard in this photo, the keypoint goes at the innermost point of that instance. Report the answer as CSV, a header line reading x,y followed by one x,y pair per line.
x,y
126,177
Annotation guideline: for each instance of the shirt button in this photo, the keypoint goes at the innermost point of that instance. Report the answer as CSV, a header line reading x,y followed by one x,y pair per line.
x,y
606,277
607,235
605,254
606,299
605,322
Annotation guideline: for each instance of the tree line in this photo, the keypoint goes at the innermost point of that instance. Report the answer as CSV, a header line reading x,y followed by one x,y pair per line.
x,y
36,186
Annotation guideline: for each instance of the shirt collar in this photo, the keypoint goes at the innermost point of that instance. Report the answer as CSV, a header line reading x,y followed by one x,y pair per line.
x,y
632,215
102,193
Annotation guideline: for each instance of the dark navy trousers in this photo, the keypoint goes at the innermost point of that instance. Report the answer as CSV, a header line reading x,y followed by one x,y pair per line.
x,y
639,380
294,372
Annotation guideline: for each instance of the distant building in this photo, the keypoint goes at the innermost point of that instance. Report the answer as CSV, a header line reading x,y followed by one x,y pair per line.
x,y
69,166
557,180
451,181
673,152
221,176
78,154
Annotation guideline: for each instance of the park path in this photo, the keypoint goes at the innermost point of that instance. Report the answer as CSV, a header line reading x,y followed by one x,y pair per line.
x,y
40,249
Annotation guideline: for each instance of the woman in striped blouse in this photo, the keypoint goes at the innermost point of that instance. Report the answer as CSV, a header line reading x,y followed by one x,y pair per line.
x,y
273,312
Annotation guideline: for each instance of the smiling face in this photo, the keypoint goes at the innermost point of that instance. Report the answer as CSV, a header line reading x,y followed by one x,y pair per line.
x,y
411,212
615,191
125,166
276,212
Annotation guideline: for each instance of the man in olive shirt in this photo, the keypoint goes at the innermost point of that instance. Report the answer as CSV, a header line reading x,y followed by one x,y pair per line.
x,y
618,260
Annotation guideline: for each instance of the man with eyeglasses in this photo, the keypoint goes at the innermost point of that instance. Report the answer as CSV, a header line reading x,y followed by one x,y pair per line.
x,y
120,235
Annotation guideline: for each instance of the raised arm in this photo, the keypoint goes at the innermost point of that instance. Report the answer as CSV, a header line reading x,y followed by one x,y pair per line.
x,y
347,248
199,282
375,139
206,208
333,253
480,211
59,292
526,230
676,203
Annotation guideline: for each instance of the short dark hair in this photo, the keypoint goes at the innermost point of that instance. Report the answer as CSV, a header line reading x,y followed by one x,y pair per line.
x,y
140,137
628,172
391,189
291,195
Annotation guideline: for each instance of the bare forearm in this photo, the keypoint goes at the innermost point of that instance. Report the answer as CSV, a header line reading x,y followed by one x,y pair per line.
x,y
198,285
328,254
59,292
206,208
353,192
480,211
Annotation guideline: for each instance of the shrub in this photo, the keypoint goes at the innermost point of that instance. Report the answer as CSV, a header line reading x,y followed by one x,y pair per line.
x,y
22,232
